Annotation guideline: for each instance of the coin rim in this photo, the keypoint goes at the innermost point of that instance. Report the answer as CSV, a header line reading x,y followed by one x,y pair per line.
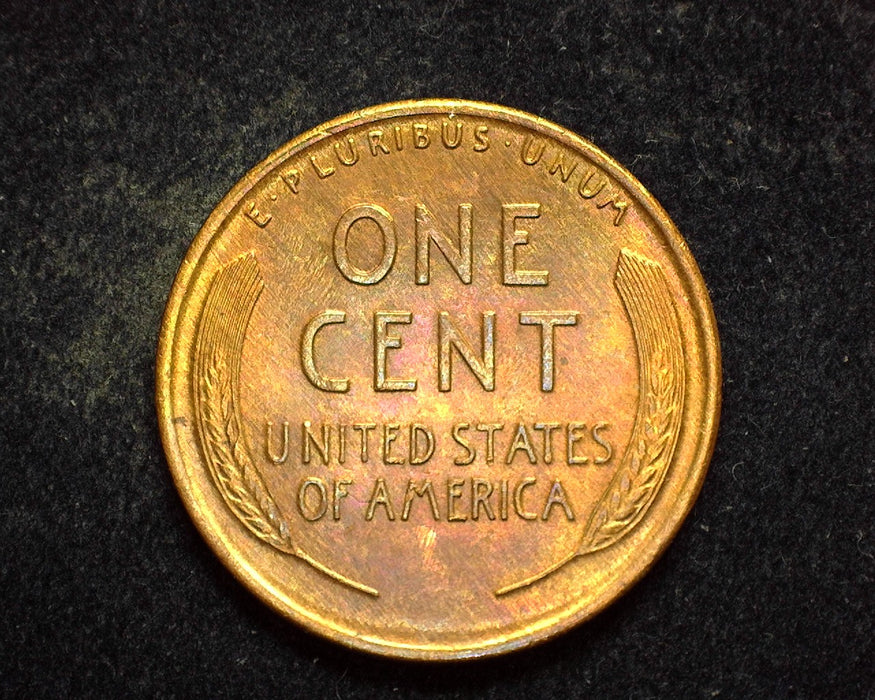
x,y
699,301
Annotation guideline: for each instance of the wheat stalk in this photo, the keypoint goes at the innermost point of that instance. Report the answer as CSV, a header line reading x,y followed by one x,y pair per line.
x,y
237,479
643,468
229,304
642,471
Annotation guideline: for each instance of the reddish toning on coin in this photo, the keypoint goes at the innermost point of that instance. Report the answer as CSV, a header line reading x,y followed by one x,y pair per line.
x,y
438,380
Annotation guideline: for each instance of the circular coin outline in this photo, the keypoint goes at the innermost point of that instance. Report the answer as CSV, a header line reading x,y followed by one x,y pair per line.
x,y
700,309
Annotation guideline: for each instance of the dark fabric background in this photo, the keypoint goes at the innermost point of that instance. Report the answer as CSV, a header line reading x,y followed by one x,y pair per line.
x,y
123,128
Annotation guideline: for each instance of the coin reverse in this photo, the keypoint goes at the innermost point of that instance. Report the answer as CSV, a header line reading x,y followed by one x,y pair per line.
x,y
438,380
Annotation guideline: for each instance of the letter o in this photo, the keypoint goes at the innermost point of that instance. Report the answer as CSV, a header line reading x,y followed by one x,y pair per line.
x,y
320,510
385,223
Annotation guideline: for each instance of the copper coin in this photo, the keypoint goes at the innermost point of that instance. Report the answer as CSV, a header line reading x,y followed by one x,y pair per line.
x,y
438,379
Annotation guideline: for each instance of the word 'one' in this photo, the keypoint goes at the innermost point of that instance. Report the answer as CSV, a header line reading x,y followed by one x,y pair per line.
x,y
459,254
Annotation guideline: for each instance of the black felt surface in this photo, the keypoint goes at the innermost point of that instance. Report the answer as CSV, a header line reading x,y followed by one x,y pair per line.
x,y
122,129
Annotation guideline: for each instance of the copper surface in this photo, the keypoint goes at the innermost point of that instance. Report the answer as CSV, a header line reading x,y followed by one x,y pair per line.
x,y
438,380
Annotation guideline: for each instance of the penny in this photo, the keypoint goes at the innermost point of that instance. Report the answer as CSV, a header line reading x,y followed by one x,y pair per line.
x,y
438,380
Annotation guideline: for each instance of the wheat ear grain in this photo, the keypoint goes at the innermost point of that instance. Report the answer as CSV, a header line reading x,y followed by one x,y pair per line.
x,y
644,292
